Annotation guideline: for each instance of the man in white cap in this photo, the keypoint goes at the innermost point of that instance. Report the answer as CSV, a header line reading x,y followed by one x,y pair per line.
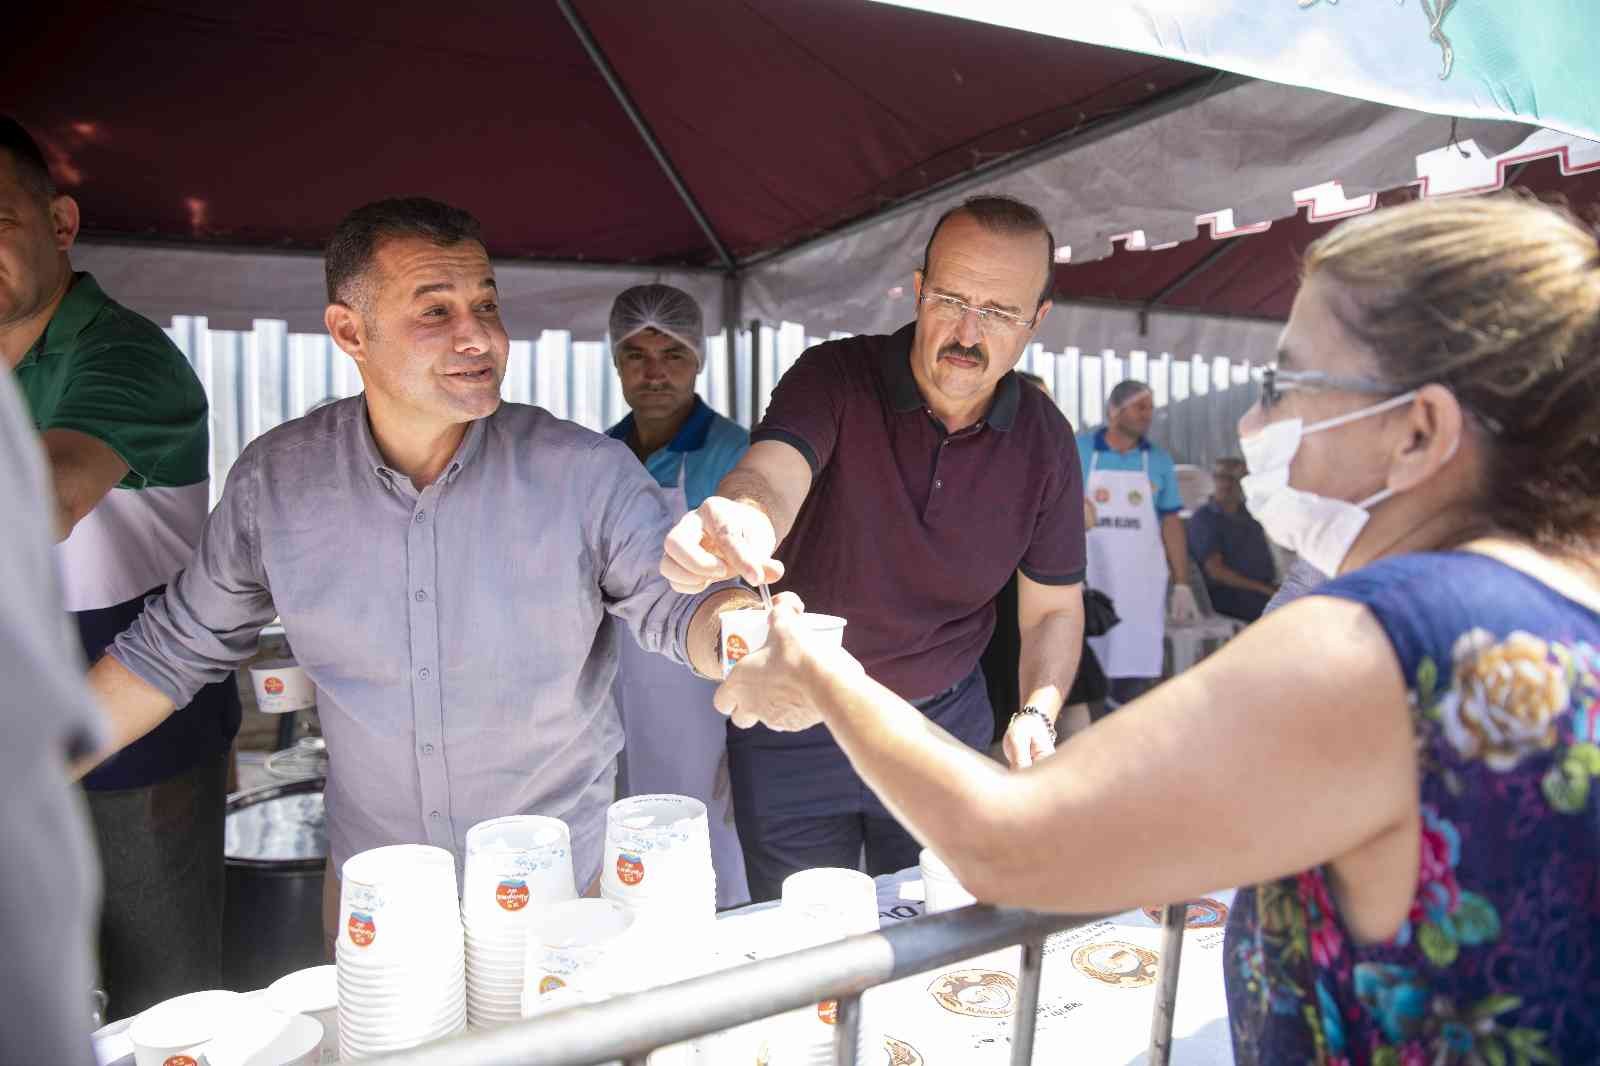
x,y
1137,542
675,741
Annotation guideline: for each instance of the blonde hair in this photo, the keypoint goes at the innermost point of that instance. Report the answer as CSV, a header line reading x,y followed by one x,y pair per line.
x,y
1498,299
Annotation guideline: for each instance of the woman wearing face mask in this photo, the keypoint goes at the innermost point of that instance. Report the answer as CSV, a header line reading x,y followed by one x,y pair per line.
x,y
1404,764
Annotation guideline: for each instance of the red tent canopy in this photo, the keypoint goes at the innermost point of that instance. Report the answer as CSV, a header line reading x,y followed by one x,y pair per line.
x,y
262,123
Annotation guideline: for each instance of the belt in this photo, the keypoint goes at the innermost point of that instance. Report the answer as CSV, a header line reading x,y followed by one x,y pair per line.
x,y
928,701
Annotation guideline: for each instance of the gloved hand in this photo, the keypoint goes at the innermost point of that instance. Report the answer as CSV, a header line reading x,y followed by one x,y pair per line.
x,y
1181,608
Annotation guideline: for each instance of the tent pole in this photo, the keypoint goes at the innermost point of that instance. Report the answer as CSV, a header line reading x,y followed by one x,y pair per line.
x,y
603,65
732,312
755,372
1210,259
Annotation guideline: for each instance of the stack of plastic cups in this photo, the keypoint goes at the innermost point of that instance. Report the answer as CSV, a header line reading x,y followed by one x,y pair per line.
x,y
401,964
941,891
819,907
516,868
657,864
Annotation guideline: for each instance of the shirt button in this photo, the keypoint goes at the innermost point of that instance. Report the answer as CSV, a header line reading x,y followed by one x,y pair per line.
x,y
421,595
422,516
427,749
424,673
435,815
938,484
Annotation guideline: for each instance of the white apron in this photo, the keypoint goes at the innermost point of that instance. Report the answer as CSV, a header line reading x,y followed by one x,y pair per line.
x,y
674,738
1128,563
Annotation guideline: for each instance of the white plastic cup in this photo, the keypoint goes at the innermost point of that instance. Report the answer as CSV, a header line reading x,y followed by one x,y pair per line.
x,y
174,1036
744,631
941,891
282,687
836,902
515,863
313,992
577,945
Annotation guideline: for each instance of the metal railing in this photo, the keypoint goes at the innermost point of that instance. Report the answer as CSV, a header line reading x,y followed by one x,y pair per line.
x,y
629,1027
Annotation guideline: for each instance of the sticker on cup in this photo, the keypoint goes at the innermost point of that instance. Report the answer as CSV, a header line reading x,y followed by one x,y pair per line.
x,y
282,687
549,983
828,1011
179,1060
745,631
363,930
511,894
630,869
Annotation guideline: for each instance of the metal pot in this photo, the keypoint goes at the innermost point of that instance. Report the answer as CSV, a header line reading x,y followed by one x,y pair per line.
x,y
275,848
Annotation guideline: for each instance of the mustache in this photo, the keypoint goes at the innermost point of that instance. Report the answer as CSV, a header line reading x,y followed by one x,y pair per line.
x,y
962,351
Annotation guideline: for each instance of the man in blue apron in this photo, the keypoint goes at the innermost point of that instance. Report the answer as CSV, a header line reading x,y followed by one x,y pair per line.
x,y
675,740
1137,542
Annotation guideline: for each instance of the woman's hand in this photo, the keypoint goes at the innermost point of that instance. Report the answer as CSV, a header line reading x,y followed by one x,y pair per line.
x,y
779,684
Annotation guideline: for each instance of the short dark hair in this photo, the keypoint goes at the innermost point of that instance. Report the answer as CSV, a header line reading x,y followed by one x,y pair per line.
x,y
1003,214
1125,390
24,151
356,239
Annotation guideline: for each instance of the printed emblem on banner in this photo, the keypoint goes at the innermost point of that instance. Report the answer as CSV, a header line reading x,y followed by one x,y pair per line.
x,y
549,983
178,1060
1116,963
1135,497
736,648
273,685
630,869
901,1053
1206,913
512,895
976,993
1102,495
828,1011
363,930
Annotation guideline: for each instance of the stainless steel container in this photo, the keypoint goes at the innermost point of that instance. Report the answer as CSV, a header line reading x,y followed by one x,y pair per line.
x,y
275,846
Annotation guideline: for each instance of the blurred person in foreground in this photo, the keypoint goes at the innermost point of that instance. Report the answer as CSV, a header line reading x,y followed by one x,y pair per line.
x,y
48,884
899,481
1231,547
123,420
1402,765
675,742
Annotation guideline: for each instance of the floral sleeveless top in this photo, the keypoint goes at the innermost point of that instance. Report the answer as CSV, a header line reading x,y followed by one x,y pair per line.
x,y
1499,961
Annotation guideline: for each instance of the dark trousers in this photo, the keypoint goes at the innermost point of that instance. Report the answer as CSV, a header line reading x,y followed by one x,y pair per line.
x,y
799,805
161,856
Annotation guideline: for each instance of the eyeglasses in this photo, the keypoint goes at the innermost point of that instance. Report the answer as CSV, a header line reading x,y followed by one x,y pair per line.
x,y
991,322
1275,382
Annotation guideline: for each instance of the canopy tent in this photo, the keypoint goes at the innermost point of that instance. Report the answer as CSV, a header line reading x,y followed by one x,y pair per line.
x,y
781,159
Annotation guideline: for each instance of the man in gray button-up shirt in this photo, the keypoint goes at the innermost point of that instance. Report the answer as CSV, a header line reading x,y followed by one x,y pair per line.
x,y
443,564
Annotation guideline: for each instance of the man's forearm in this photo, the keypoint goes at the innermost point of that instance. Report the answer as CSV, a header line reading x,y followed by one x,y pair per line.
x,y
132,708
745,485
1049,660
1223,574
703,643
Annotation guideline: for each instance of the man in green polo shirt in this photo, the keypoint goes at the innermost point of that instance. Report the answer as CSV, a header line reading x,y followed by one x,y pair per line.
x,y
123,421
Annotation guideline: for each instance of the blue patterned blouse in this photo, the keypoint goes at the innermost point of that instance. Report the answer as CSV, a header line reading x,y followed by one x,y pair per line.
x,y
1499,962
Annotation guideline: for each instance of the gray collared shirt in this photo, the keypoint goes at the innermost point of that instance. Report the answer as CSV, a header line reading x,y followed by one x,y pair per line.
x,y
455,635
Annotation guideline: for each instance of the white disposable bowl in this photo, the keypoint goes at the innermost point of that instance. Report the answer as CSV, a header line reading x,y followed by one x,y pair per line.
x,y
745,631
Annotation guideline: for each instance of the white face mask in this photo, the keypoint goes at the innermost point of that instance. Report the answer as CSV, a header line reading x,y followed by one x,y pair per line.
x,y
1318,529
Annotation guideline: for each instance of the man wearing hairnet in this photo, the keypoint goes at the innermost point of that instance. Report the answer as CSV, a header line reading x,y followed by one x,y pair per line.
x,y
675,740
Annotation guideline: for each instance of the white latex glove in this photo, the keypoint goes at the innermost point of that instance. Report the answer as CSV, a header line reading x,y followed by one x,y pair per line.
x,y
718,540
1027,740
1181,608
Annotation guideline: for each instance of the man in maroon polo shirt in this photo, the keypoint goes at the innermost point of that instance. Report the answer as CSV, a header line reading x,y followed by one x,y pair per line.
x,y
899,481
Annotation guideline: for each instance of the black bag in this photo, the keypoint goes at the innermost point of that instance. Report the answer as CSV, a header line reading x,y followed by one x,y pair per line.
x,y
1099,613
